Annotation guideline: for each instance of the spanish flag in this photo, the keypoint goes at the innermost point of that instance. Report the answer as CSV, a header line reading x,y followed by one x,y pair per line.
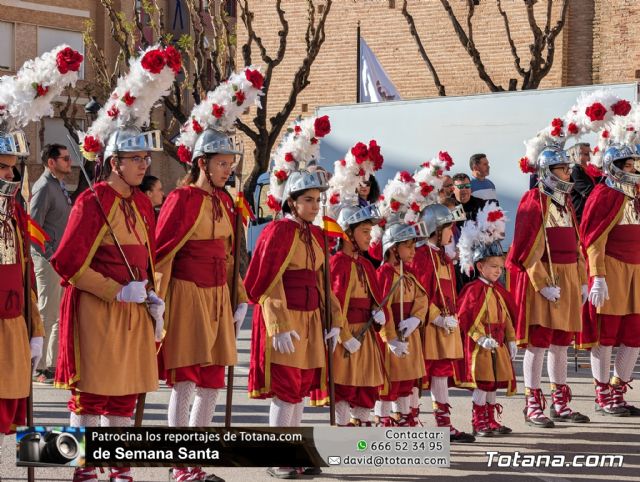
x,y
244,209
333,229
37,234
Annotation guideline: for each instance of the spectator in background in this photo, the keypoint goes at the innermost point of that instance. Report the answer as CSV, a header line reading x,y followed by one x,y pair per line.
x,y
152,187
481,187
50,208
583,180
446,192
462,192
368,192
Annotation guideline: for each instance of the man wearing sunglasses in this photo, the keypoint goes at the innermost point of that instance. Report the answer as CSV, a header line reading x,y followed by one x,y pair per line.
x,y
50,208
462,192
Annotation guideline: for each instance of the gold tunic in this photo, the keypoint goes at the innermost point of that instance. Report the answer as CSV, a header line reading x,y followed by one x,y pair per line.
x,y
482,364
622,278
15,353
309,350
438,344
410,366
199,321
114,341
364,367
566,313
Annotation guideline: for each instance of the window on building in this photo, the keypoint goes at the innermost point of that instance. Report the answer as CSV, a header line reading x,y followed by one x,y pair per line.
x,y
7,50
49,38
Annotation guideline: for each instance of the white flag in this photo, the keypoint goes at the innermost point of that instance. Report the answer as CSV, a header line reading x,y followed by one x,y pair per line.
x,y
375,85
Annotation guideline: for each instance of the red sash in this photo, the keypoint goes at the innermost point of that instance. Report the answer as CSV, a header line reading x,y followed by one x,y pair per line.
x,y
563,245
301,289
203,262
108,262
11,291
619,245
359,310
406,312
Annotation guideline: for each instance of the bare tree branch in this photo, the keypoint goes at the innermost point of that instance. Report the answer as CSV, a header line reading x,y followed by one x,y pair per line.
x,y
514,50
421,49
470,46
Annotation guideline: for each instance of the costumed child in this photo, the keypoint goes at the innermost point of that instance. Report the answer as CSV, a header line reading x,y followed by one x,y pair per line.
x,y
486,314
194,272
285,280
400,336
358,369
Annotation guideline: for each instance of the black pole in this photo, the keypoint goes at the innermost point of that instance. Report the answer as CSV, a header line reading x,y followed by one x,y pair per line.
x,y
358,65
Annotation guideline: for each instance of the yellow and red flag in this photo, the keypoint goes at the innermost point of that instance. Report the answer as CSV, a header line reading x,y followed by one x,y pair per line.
x,y
244,209
333,229
37,234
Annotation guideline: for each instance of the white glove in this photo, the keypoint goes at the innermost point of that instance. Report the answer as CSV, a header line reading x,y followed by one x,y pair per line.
x,y
283,343
36,350
551,293
408,325
352,345
585,293
239,315
378,317
487,343
134,292
450,322
513,349
156,309
599,291
440,321
398,348
332,336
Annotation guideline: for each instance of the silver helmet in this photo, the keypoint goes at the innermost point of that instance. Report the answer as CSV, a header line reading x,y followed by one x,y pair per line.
x,y
616,175
13,144
354,214
132,139
302,180
482,251
211,141
458,213
399,232
435,216
551,156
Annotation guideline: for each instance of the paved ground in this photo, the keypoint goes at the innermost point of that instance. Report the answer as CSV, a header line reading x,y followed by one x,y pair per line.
x,y
604,435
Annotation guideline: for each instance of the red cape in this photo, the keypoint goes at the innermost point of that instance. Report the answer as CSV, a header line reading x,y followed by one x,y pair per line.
x,y
601,209
265,268
271,251
528,233
422,268
179,214
74,254
470,303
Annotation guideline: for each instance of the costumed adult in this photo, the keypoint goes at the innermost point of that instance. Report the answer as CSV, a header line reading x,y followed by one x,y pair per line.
x,y
548,275
285,281
24,98
110,314
610,231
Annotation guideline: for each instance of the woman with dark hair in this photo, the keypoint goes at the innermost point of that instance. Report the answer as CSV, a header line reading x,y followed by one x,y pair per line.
x,y
368,191
152,187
